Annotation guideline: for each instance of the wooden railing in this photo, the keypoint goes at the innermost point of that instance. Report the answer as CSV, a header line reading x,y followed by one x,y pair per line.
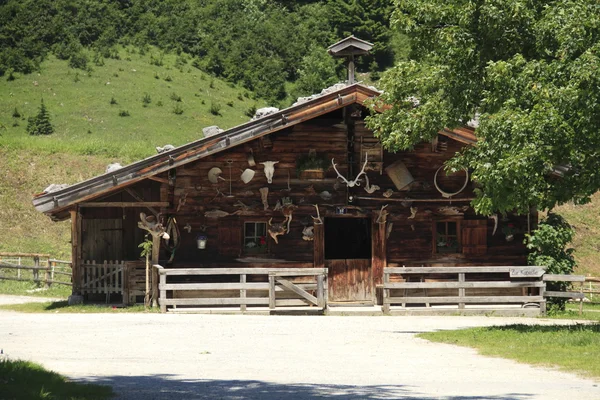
x,y
592,289
35,263
102,278
567,294
476,286
268,287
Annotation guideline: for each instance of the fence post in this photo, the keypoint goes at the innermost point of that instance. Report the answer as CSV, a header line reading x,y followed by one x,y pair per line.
x,y
320,291
163,292
47,275
461,290
36,271
243,292
581,299
386,292
271,291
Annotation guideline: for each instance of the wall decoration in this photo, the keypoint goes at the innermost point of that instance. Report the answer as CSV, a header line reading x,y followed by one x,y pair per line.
x,y
247,175
388,193
400,175
495,218
317,220
187,228
251,161
269,169
382,216
216,213
447,195
165,148
264,196
310,190
413,212
325,195
370,189
311,166
288,210
277,229
356,181
308,233
150,223
215,174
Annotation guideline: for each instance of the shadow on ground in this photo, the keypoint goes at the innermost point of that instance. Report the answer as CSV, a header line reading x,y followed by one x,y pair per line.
x,y
157,387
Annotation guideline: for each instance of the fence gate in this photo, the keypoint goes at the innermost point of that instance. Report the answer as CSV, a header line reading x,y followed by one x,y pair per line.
x,y
106,278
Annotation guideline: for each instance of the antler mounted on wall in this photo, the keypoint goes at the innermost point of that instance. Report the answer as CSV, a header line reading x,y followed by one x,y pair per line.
x,y
156,229
277,229
356,181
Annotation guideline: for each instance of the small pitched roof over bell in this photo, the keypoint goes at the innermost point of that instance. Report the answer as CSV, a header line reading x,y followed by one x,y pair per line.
x,y
350,46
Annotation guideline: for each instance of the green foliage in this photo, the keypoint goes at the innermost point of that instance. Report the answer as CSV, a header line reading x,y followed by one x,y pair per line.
x,y
175,97
529,71
146,100
113,101
317,70
40,124
26,380
178,110
16,113
124,113
548,248
368,20
215,108
251,111
146,247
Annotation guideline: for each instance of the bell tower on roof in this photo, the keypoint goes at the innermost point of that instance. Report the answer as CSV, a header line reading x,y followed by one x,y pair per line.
x,y
349,48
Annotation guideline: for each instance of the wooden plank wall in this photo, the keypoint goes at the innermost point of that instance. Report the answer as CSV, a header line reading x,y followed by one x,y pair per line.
x,y
200,195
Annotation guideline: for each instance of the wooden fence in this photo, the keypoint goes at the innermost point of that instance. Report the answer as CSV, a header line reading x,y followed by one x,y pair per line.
x,y
566,294
103,278
451,289
267,287
35,263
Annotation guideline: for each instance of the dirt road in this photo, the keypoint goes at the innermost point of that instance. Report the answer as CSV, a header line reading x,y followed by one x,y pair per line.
x,y
153,356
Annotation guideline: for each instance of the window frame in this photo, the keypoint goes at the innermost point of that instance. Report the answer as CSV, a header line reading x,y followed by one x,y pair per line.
x,y
457,221
249,251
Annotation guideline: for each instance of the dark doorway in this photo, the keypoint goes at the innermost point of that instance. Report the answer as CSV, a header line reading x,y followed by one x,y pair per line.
x,y
348,259
347,238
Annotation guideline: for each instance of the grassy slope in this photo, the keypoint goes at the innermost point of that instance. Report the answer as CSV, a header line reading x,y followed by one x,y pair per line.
x,y
586,222
72,154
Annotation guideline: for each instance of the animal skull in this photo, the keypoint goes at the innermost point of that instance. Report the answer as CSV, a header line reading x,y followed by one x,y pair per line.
x,y
269,169
277,229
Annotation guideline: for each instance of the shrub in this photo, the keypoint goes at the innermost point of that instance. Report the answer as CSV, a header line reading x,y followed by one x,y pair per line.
x,y
230,103
178,109
159,103
168,78
78,60
124,113
76,77
40,124
156,75
212,84
16,113
113,101
175,97
250,111
116,75
10,77
240,97
146,100
548,248
215,108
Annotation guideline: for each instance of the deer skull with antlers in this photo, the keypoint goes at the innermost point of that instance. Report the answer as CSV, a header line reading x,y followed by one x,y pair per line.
x,y
356,181
277,229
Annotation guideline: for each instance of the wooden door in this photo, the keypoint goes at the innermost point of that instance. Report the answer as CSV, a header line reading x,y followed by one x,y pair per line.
x,y
350,280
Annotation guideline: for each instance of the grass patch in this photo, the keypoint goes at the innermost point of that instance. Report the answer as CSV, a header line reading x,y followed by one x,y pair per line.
x,y
23,288
26,380
65,308
572,348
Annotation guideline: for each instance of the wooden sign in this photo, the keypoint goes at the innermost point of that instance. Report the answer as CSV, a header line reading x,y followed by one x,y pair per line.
x,y
526,272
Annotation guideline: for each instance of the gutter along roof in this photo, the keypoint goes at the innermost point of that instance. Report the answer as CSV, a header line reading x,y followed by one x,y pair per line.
x,y
57,204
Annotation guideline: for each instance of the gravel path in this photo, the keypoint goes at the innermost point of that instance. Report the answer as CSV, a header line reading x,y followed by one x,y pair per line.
x,y
183,356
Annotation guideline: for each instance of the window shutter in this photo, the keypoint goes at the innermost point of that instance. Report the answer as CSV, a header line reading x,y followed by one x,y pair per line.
x,y
474,237
230,237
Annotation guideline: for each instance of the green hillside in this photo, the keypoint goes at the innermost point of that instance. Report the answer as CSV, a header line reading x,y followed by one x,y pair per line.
x,y
85,107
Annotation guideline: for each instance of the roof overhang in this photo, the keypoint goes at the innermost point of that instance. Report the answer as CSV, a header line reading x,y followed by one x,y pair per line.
x,y
56,204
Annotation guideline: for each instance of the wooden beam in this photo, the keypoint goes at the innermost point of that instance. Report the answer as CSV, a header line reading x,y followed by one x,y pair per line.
x,y
159,179
139,198
126,204
439,200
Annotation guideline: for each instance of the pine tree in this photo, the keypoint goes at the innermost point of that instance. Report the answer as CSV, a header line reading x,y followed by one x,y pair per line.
x,y
40,124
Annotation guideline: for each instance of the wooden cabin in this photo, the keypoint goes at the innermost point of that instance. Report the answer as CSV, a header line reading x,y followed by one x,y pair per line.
x,y
204,190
